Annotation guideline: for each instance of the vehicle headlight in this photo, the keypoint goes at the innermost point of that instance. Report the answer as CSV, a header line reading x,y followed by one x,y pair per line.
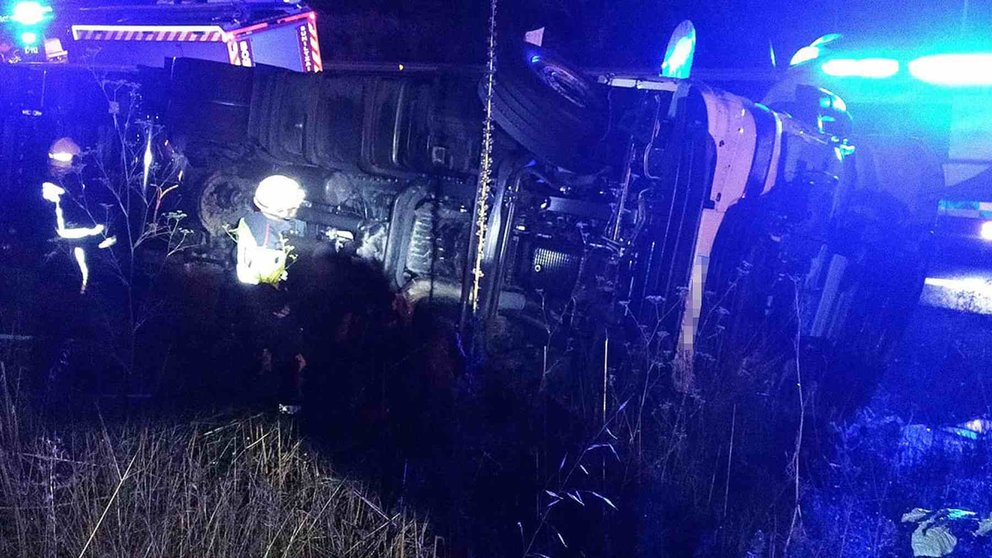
x,y
986,231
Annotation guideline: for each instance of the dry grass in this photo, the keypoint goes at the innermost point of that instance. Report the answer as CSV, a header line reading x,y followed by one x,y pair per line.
x,y
214,487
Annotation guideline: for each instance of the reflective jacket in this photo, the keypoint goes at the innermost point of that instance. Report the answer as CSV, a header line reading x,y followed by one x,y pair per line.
x,y
262,250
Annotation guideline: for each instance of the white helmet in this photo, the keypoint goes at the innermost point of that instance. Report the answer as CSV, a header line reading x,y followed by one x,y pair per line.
x,y
279,195
62,153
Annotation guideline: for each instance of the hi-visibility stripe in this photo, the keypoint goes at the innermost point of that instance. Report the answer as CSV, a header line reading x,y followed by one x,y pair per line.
x,y
250,29
318,64
169,33
281,21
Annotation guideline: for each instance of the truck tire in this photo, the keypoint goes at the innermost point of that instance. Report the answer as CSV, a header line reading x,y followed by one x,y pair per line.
x,y
548,107
224,197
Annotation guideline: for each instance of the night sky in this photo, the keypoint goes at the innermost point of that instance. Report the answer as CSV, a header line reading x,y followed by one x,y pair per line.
x,y
633,33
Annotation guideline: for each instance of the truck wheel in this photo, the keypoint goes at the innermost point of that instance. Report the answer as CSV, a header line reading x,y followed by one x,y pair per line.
x,y
224,198
548,107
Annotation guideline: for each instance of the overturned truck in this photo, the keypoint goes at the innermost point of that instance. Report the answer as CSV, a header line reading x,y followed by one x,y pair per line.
x,y
665,201
667,197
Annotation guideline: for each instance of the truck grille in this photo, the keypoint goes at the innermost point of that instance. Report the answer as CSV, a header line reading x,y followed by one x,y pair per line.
x,y
553,271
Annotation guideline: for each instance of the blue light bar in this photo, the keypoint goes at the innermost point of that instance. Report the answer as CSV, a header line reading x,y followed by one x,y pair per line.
x,y
954,69
873,68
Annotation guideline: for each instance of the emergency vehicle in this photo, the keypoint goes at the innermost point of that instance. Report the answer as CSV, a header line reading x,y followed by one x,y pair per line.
x,y
277,34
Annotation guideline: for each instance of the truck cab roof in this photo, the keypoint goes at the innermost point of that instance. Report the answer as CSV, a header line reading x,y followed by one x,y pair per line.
x,y
226,15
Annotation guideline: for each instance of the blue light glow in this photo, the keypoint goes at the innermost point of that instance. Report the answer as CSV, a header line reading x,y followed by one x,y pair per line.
x,y
965,293
805,54
535,59
962,70
813,51
968,434
675,66
986,231
29,13
978,425
873,68
29,38
680,52
826,39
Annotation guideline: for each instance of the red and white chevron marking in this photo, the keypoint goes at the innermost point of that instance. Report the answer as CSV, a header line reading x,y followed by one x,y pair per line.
x,y
318,64
147,33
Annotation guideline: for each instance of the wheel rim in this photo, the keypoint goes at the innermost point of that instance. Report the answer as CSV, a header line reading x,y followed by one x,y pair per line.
x,y
225,199
562,80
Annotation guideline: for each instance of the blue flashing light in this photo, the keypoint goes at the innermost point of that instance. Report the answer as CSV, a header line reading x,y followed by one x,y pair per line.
x,y
814,50
839,103
986,231
805,54
535,59
968,435
826,39
677,65
959,514
679,53
872,68
29,38
29,13
962,70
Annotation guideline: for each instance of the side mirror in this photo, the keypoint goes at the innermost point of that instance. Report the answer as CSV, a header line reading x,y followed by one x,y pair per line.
x,y
817,108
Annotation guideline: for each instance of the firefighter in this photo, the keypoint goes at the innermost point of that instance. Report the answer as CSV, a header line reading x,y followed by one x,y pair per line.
x,y
263,235
264,252
62,156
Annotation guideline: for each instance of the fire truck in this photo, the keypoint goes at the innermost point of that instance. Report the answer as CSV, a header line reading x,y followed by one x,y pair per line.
x,y
148,34
243,34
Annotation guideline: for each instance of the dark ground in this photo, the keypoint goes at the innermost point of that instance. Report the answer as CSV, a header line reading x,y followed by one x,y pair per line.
x,y
940,373
498,457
